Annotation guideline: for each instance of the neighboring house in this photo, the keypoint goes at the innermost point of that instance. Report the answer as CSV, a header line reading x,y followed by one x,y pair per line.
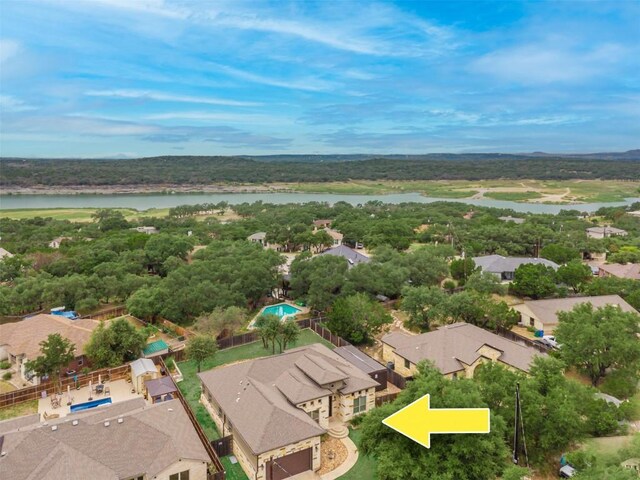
x,y
629,270
635,213
5,254
129,440
20,341
456,350
543,314
511,219
335,235
505,267
364,362
353,257
605,232
277,408
147,230
259,237
322,223
56,242
142,370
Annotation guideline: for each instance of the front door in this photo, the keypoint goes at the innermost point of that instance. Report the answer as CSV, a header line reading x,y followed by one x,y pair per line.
x,y
331,397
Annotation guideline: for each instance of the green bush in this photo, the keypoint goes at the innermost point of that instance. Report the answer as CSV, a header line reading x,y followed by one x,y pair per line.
x,y
7,376
4,365
620,383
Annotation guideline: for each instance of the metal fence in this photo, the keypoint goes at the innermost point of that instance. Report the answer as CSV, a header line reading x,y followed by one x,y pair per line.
x,y
33,393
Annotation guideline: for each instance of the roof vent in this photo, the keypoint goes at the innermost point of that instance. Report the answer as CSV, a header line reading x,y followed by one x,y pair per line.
x,y
106,424
54,428
2,454
74,423
170,409
121,420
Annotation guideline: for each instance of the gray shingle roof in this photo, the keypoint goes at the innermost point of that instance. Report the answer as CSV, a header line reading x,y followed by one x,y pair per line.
x,y
455,343
360,359
270,387
150,438
547,310
499,264
353,257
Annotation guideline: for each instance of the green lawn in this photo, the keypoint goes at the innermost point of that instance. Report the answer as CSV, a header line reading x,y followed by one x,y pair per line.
x,y
190,386
234,471
365,467
513,196
19,410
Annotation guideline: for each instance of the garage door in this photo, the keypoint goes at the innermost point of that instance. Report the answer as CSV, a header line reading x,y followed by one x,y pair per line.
x,y
289,465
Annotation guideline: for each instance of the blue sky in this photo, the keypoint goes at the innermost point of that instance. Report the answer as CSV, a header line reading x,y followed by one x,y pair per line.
x,y
151,77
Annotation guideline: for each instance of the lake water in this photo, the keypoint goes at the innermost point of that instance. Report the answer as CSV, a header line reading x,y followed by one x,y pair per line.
x,y
147,201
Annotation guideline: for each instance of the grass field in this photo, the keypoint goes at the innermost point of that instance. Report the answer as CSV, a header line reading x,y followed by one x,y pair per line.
x,y
6,387
513,196
365,467
19,410
85,214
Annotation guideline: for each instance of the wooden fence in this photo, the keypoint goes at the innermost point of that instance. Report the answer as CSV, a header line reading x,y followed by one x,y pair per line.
x,y
223,446
396,379
219,473
108,313
33,393
508,334
389,397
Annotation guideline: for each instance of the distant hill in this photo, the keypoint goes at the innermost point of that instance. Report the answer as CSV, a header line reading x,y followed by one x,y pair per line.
x,y
202,170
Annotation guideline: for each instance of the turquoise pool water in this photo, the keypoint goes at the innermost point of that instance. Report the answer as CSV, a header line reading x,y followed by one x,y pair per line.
x,y
281,310
87,405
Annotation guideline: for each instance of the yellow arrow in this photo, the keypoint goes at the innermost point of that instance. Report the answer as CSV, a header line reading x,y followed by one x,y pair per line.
x,y
418,421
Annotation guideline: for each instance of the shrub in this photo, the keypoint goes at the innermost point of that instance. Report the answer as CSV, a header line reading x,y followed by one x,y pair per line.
x,y
7,376
620,384
4,365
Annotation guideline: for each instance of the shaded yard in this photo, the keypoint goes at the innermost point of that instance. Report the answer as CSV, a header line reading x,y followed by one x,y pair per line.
x,y
19,410
366,465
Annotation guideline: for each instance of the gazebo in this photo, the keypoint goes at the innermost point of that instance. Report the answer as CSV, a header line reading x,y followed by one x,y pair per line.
x,y
160,389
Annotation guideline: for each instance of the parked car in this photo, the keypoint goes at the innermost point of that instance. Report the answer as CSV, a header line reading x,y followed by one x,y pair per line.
x,y
550,341
567,471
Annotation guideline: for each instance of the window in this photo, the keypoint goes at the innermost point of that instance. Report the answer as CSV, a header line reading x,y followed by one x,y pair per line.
x,y
407,364
180,476
315,415
80,362
359,404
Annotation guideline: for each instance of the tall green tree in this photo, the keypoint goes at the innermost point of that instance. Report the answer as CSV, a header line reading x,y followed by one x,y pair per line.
x,y
559,254
201,348
596,340
56,352
574,274
113,345
462,268
424,305
357,318
288,334
459,457
534,280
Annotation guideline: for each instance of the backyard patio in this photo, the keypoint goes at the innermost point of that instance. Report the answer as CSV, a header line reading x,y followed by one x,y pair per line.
x,y
116,391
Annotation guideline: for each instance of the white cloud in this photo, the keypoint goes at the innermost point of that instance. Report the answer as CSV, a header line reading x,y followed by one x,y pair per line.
x,y
308,84
168,97
8,48
9,103
545,63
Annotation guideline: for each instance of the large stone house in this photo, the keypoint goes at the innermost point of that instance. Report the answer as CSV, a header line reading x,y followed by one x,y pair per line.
x,y
20,341
277,408
129,440
605,232
543,314
456,350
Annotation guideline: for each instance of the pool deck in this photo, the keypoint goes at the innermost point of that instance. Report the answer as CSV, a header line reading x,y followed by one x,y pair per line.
x,y
120,391
302,311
